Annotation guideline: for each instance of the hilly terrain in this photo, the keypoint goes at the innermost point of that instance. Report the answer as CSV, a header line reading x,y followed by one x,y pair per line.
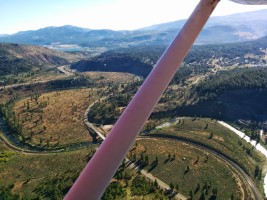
x,y
27,60
226,81
226,29
201,58
56,108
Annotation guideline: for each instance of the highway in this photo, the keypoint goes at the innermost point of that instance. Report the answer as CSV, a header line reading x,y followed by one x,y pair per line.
x,y
94,129
255,192
60,68
19,147
91,127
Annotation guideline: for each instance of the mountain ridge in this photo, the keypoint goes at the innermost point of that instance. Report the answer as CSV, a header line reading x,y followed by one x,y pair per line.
x,y
140,60
16,58
219,29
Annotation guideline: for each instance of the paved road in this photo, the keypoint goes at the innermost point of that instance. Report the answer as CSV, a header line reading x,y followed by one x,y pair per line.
x,y
66,70
91,127
94,129
61,68
258,146
152,178
17,148
101,134
255,192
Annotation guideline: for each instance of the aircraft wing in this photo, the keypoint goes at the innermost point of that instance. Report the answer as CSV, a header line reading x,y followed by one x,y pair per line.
x,y
251,2
96,176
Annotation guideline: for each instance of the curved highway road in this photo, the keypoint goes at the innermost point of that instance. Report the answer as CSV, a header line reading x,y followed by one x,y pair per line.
x,y
255,192
93,128
60,68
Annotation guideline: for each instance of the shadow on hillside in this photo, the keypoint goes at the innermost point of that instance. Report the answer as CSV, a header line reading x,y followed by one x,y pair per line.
x,y
235,105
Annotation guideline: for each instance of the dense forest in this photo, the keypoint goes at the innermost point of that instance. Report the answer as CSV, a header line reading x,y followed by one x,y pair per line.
x,y
223,81
195,99
229,95
140,60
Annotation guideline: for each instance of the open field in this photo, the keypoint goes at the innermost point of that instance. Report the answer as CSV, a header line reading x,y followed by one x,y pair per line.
x,y
109,77
30,77
50,176
211,133
55,118
9,94
28,173
190,169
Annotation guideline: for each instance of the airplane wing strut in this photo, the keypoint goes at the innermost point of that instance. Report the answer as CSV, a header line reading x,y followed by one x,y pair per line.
x,y
98,173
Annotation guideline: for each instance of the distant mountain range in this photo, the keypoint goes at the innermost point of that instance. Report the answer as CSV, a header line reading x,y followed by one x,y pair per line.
x,y
224,29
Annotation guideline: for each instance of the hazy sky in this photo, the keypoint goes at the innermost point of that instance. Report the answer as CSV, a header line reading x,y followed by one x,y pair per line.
x,y
19,15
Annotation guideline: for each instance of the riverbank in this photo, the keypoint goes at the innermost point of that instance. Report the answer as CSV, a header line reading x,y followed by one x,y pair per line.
x,y
258,146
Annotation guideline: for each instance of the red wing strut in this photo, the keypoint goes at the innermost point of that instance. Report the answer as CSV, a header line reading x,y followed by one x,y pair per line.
x,y
98,173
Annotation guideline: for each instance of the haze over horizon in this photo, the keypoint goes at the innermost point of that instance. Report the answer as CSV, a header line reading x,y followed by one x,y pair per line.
x,y
101,14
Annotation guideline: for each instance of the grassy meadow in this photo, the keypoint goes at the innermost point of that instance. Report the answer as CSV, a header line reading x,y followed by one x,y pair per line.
x,y
109,77
55,118
49,176
28,175
211,133
190,170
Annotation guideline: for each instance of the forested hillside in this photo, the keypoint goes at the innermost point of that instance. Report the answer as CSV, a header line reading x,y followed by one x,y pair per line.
x,y
140,60
15,58
224,81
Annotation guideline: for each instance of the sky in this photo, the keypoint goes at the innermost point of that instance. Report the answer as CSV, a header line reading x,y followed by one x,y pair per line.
x,y
21,15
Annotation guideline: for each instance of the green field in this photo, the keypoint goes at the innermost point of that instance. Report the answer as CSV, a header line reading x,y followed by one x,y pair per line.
x,y
190,169
211,133
24,174
51,120
49,176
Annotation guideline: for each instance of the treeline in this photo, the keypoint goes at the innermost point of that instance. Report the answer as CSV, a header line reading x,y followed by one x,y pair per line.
x,y
110,62
9,64
10,119
108,110
228,80
70,82
18,58
141,60
137,186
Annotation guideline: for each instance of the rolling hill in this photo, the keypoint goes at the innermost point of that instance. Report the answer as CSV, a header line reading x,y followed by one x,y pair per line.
x,y
223,81
226,29
140,60
15,58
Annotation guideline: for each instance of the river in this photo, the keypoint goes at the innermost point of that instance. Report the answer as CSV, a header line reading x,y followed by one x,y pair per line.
x,y
258,146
